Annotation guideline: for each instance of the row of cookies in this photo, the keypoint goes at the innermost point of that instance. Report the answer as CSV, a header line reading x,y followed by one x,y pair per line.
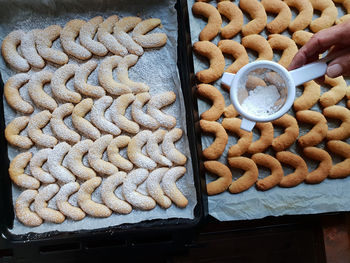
x,y
23,50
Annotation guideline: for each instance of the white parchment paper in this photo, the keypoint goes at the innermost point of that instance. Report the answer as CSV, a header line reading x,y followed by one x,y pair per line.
x,y
156,67
328,196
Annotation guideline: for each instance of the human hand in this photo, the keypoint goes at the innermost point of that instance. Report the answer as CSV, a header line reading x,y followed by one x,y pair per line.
x,y
332,39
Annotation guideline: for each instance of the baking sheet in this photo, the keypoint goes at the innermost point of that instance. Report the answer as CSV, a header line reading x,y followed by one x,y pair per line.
x,y
328,196
156,67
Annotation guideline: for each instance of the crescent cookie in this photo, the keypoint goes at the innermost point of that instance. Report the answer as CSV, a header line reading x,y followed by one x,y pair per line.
x,y
341,169
329,14
59,128
214,95
85,202
114,157
87,34
291,132
216,149
325,165
135,151
81,77
68,35
58,84
249,177
28,49
36,166
44,40
63,204
153,150
54,162
169,148
9,51
36,123
105,76
155,190
304,17
336,93
22,209
37,93
74,160
260,45
16,172
235,17
343,114
150,40
230,112
41,206
301,37
13,130
123,75
286,44
169,186
225,177
12,95
95,156
136,199
265,140
283,18
109,198
237,51
141,117
120,30
80,123
310,96
257,12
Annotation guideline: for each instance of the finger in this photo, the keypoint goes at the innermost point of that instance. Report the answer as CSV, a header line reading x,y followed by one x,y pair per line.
x,y
339,66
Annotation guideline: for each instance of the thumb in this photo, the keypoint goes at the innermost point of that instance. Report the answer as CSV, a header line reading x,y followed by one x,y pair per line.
x,y
339,66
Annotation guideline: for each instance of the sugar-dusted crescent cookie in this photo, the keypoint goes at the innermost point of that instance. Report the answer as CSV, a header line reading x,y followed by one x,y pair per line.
x,y
159,101
329,14
260,45
249,177
153,149
37,93
257,12
13,130
343,114
214,95
44,40
216,61
139,115
136,199
169,186
36,166
104,35
135,151
29,51
86,37
123,75
80,123
63,204
225,177
336,93
242,145
99,120
310,96
114,156
118,111
12,96
85,202
265,140
216,149
10,53
120,30
304,17
169,148
341,169
54,162
22,208
235,17
68,35
95,156
16,172
237,51
301,37
109,198
283,18
325,165
275,167
286,44
155,190
58,84
36,123
214,20
105,76
291,132
74,160
295,161
80,80
150,40
318,131
41,204
59,128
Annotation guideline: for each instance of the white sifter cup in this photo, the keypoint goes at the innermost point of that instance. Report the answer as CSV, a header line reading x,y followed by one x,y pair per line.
x,y
291,79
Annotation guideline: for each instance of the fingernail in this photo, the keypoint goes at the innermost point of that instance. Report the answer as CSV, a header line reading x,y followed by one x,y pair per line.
x,y
334,70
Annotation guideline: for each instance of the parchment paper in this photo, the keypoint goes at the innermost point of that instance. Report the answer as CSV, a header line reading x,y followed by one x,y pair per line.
x,y
156,67
328,196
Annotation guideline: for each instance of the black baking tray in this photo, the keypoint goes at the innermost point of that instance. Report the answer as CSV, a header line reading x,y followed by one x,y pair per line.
x,y
176,231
